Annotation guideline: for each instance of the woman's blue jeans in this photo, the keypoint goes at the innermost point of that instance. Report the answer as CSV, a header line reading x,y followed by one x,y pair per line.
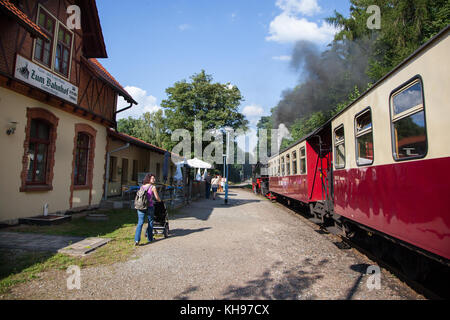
x,y
150,216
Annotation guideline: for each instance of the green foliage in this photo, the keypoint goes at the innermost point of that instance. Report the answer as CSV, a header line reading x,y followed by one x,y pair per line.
x,y
150,127
215,104
265,123
405,26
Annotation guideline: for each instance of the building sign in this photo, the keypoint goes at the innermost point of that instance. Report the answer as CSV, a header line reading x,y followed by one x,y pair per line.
x,y
37,76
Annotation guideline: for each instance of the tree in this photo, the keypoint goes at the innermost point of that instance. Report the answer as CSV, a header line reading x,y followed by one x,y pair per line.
x,y
215,104
150,127
265,123
405,26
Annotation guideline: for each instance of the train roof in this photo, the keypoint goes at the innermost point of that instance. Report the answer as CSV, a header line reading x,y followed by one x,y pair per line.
x,y
376,84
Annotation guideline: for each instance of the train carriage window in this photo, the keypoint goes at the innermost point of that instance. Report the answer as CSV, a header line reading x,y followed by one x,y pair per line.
x,y
408,122
294,162
339,148
303,160
288,165
282,167
364,138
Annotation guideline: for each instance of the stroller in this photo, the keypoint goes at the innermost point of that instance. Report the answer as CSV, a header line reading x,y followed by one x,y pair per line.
x,y
161,220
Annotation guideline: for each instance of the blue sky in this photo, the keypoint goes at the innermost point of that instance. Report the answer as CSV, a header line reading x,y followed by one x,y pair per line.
x,y
151,44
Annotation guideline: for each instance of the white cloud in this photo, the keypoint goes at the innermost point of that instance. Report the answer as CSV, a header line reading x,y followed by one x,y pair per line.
x,y
253,111
306,7
146,103
183,27
288,28
282,58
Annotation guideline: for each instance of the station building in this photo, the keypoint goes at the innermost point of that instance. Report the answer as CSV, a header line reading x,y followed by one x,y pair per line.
x,y
58,105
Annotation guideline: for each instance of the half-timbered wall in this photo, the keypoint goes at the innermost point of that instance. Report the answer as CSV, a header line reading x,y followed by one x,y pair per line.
x,y
94,94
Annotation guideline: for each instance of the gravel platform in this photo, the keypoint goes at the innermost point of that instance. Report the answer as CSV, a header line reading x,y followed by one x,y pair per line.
x,y
250,249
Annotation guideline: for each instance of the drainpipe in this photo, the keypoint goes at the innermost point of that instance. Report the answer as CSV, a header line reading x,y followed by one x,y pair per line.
x,y
108,160
122,110
131,104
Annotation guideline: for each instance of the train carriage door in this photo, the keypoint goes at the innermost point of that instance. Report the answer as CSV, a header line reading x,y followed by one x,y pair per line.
x,y
321,174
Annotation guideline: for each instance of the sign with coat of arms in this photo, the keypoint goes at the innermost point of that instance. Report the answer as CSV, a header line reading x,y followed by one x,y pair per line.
x,y
41,78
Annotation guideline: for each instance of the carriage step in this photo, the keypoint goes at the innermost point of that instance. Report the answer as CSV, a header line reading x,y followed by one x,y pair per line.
x,y
315,220
334,230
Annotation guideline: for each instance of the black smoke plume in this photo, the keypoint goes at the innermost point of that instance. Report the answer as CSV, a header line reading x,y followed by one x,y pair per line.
x,y
326,78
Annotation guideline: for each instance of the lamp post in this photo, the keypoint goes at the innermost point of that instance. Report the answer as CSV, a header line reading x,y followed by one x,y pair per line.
x,y
225,165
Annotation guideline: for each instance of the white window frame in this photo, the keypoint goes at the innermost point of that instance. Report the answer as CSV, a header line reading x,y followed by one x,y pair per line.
x,y
54,45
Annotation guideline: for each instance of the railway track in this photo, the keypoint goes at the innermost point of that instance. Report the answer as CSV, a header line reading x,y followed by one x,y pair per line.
x,y
420,288
430,288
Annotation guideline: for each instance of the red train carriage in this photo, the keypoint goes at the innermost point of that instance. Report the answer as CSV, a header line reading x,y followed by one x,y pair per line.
x,y
392,151
301,171
381,165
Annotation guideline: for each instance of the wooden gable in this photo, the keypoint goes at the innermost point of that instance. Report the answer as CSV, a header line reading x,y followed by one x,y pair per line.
x,y
97,93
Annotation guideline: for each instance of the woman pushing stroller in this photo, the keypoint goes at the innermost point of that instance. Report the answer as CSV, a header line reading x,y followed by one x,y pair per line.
x,y
144,205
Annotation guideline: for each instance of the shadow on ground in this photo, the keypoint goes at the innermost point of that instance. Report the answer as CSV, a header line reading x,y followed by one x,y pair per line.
x,y
184,232
202,209
361,269
292,284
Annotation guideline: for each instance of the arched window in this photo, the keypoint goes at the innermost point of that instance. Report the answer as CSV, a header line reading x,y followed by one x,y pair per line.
x,y
81,159
37,153
39,150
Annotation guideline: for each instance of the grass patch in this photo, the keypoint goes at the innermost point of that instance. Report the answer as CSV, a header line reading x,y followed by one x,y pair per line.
x,y
20,266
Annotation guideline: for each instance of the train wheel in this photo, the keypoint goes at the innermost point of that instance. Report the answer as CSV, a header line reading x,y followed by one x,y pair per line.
x,y
348,231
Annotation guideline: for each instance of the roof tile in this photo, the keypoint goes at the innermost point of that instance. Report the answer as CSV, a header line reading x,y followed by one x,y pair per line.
x,y
103,73
13,11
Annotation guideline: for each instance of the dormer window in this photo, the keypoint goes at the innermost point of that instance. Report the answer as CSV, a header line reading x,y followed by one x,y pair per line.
x,y
43,48
56,53
63,47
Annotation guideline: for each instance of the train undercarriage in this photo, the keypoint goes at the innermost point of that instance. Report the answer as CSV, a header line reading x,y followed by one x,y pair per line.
x,y
415,263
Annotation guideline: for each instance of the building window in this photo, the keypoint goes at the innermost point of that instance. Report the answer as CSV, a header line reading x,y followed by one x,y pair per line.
x,y
303,160
294,162
81,159
364,138
43,48
38,152
112,169
56,53
339,148
288,165
408,122
136,169
63,47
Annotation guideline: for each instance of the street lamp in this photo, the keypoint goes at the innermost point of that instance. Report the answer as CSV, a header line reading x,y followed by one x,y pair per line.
x,y
225,163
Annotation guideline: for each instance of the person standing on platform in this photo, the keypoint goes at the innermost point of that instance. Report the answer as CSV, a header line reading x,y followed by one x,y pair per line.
x,y
208,185
214,185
